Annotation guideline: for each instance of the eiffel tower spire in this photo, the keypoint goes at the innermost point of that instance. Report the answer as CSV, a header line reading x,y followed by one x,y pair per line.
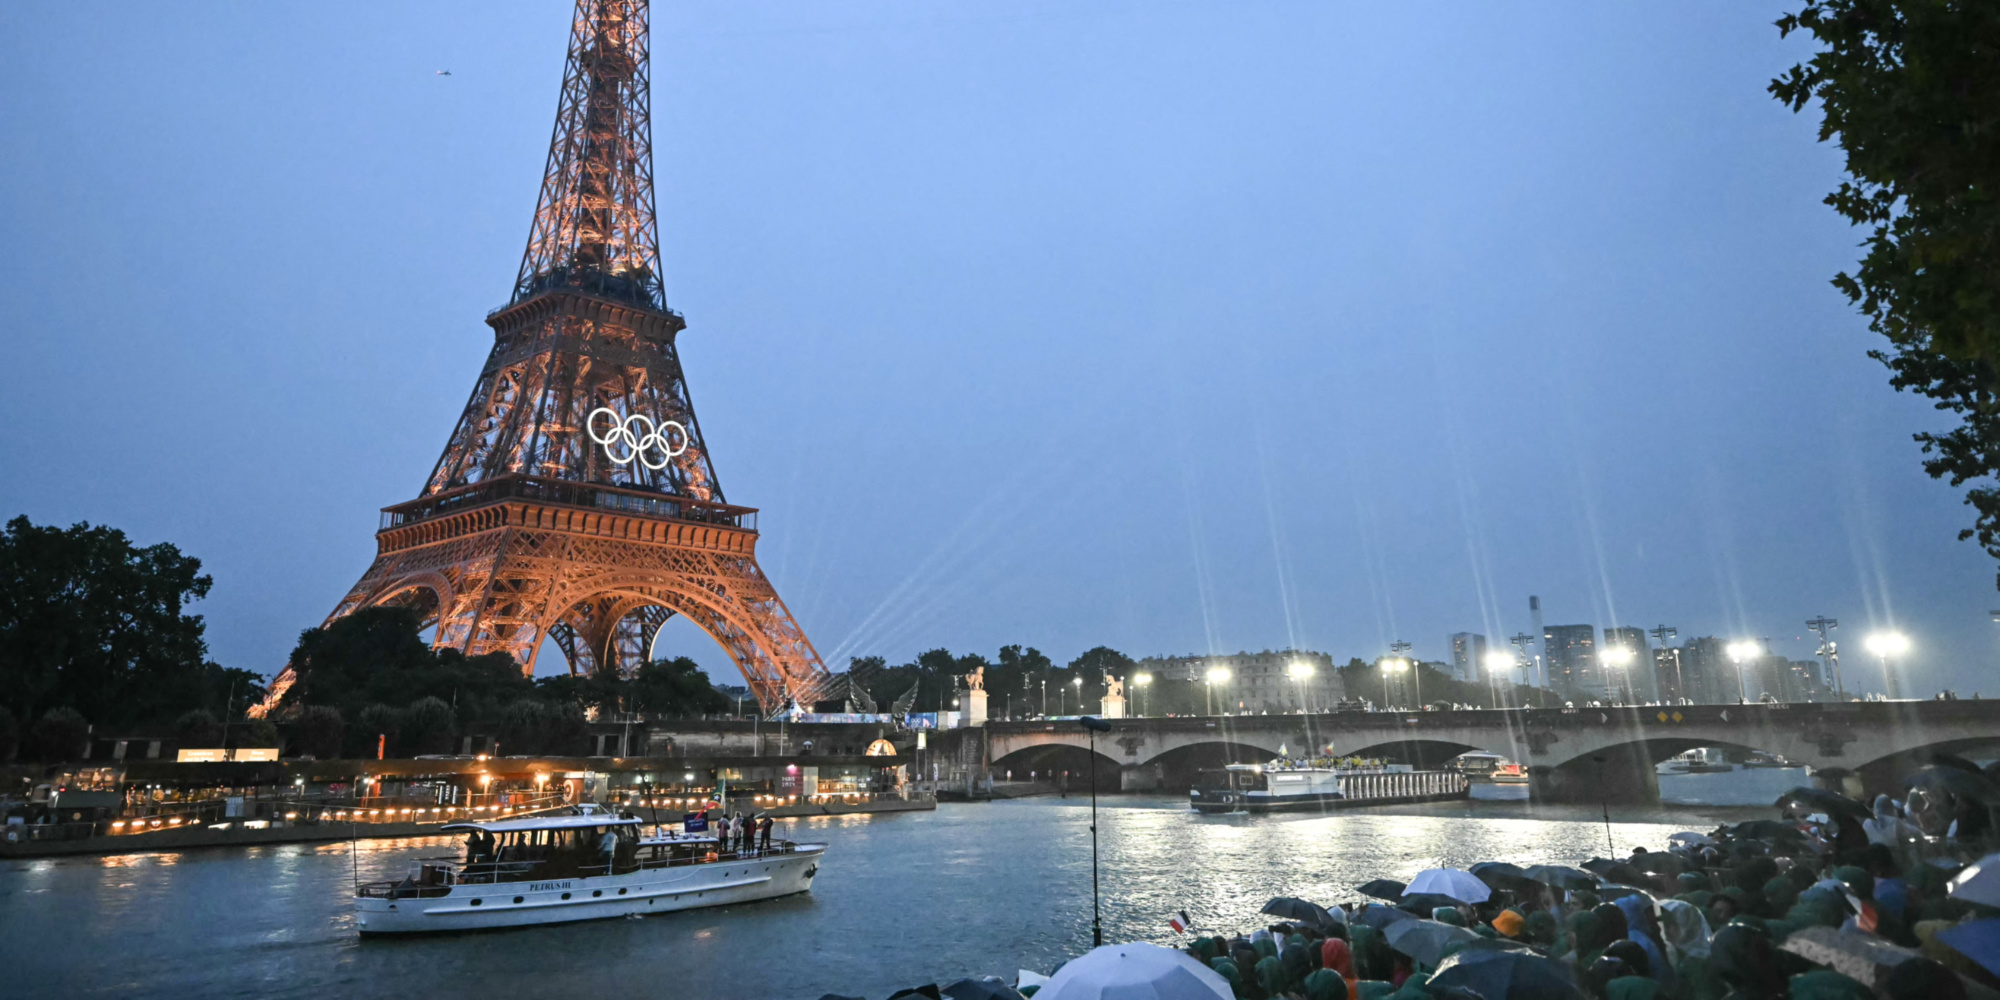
x,y
575,501
595,226
587,336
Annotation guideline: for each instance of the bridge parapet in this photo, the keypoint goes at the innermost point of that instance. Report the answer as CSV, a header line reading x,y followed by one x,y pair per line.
x,y
1841,738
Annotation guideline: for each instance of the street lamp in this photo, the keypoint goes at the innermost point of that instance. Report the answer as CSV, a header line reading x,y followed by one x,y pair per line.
x,y
1215,675
1889,646
1395,665
1619,658
1501,665
1740,652
1301,671
1141,681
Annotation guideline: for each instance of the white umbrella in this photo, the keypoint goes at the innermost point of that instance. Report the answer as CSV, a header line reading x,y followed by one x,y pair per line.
x,y
1456,883
1691,837
1136,971
1979,882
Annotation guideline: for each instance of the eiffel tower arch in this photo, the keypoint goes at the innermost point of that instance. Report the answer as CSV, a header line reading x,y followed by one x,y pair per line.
x,y
575,499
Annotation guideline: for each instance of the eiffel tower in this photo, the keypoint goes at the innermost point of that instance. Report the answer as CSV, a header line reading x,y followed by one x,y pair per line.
x,y
575,499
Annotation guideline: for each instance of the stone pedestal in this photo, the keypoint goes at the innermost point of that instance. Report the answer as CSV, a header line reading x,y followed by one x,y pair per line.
x,y
1112,707
975,709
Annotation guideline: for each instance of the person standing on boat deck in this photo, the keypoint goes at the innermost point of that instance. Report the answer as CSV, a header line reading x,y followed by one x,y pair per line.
x,y
764,834
607,845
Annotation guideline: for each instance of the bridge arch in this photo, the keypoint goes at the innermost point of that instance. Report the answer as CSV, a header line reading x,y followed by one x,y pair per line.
x,y
1053,760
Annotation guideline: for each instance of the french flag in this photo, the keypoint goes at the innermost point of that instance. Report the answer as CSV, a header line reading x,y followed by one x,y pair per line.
x,y
1180,922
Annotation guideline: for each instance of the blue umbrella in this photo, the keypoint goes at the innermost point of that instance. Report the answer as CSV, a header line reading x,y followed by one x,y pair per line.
x,y
1507,976
1978,940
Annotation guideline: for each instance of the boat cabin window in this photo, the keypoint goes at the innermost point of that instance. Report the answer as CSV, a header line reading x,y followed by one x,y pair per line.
x,y
1241,781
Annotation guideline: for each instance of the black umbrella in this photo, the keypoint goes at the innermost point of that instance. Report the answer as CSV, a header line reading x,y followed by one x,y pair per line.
x,y
1611,891
1301,911
1422,903
1425,940
1562,876
1943,759
989,988
1615,870
1383,888
1956,781
1765,829
1509,975
1821,800
1499,874
1378,916
1659,863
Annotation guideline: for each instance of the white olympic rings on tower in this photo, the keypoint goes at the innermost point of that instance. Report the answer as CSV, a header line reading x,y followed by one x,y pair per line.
x,y
639,436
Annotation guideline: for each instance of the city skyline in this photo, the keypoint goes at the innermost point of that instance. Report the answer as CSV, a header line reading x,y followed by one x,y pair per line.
x,y
1258,376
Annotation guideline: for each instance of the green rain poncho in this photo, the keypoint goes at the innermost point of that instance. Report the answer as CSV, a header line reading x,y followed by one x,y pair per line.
x,y
1226,967
1448,915
1372,957
1631,988
1266,948
1325,984
1826,984
1780,894
1271,975
1541,929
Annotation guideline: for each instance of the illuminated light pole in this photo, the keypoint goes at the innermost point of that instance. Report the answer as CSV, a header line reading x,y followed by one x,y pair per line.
x,y
1521,641
1142,681
1828,653
1501,664
1390,665
1889,646
1619,658
1301,671
1398,648
1740,652
1215,675
1077,683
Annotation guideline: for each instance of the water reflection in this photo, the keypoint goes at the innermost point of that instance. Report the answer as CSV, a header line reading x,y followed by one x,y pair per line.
x,y
904,899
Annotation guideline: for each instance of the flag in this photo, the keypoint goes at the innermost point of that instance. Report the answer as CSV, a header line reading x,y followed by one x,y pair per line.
x,y
1180,922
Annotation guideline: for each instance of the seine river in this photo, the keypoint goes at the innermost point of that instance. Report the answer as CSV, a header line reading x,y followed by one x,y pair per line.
x,y
901,900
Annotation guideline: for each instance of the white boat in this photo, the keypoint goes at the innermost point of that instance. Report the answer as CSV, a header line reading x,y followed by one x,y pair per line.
x,y
551,869
1283,785
1700,760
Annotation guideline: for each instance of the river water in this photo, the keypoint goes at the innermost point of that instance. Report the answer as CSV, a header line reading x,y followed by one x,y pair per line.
x,y
901,900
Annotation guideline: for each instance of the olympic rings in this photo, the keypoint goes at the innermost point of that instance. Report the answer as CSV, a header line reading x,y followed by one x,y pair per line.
x,y
642,443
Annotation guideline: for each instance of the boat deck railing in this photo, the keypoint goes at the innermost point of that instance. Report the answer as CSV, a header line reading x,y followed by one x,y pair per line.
x,y
437,876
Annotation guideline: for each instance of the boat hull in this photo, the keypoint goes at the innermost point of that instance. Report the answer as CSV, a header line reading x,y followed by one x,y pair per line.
x,y
1253,803
556,901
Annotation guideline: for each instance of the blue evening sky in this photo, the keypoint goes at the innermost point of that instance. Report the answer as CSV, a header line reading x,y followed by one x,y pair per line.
x,y
1174,326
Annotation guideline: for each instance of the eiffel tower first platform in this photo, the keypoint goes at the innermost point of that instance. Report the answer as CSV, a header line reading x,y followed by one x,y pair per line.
x,y
576,499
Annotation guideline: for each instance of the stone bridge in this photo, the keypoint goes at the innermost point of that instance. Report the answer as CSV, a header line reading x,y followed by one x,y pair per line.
x,y
1572,755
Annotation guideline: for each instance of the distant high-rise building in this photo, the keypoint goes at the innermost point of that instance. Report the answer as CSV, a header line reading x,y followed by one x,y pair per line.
x,y
1634,677
1572,660
1710,677
1468,656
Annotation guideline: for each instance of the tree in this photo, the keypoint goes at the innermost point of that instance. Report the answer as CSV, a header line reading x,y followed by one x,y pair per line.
x,y
378,656
60,734
674,688
198,728
318,731
10,735
92,622
428,726
256,733
1910,90
378,726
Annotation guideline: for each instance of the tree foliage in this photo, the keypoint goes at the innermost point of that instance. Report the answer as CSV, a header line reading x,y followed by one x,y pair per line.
x,y
377,656
1910,91
91,622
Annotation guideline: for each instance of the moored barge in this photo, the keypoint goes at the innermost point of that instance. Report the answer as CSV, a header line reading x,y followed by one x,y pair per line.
x,y
1255,788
